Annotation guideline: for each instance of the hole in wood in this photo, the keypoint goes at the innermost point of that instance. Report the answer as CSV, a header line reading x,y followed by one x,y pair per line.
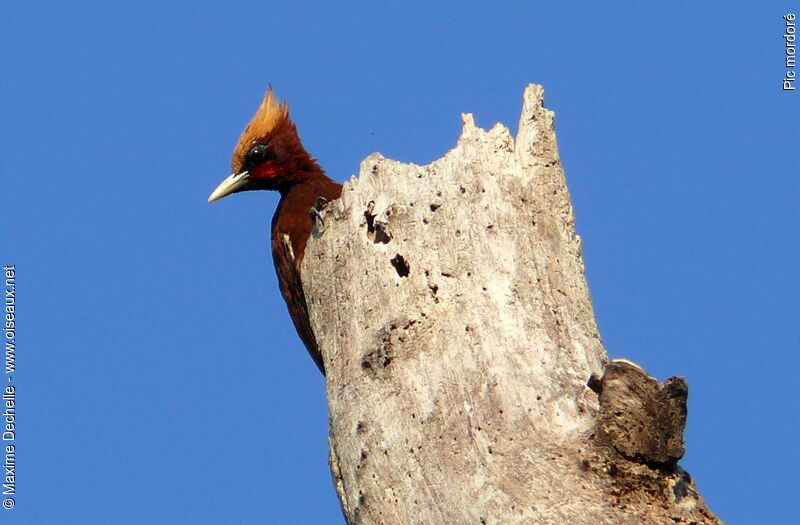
x,y
375,232
400,265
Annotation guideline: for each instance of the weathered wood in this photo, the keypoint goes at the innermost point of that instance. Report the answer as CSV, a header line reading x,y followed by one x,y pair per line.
x,y
641,419
450,303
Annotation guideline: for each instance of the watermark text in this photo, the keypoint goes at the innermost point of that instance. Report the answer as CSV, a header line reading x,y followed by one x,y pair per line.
x,y
789,35
9,390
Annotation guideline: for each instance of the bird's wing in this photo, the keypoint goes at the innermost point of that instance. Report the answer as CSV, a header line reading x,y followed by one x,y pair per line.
x,y
292,290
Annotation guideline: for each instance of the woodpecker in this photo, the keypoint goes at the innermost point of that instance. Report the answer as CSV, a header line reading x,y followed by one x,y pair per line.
x,y
270,156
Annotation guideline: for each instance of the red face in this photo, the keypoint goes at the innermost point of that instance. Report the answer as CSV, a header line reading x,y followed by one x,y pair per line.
x,y
262,163
266,170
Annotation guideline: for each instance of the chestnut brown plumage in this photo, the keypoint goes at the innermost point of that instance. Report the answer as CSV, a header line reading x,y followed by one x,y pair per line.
x,y
270,156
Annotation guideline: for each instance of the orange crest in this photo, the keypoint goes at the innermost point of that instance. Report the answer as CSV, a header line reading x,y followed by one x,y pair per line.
x,y
269,115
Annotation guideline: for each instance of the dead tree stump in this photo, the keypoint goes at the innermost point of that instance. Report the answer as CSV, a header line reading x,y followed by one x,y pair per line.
x,y
466,378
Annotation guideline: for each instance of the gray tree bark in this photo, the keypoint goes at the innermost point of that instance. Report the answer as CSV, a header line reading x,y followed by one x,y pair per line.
x,y
466,378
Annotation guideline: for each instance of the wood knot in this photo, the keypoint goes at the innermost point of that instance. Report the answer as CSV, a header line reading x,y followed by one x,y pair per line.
x,y
642,419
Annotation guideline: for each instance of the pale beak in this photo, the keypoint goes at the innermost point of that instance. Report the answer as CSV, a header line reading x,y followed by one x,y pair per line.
x,y
230,185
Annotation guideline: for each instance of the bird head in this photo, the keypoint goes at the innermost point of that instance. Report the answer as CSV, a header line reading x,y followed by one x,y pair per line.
x,y
269,155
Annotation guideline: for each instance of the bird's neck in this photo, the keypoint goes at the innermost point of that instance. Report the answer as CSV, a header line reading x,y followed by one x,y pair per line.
x,y
293,215
304,181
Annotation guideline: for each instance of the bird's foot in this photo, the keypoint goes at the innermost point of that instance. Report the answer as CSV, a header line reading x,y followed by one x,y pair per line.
x,y
316,209
320,203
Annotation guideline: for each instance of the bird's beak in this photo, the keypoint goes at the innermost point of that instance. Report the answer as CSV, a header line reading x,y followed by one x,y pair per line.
x,y
230,185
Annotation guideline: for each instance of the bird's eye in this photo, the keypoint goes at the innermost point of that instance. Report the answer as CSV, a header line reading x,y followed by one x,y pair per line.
x,y
258,154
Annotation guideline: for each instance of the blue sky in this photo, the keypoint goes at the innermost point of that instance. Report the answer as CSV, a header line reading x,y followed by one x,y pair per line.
x,y
159,378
